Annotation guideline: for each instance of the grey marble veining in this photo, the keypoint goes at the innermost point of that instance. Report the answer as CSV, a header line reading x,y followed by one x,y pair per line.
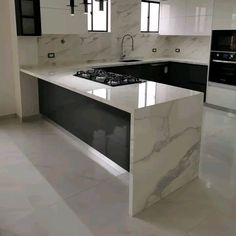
x,y
105,47
165,150
173,174
191,47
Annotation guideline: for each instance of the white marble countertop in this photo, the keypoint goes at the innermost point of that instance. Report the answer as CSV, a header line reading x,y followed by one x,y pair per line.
x,y
127,97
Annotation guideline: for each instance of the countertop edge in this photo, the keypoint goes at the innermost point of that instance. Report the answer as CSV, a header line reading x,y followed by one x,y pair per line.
x,y
29,71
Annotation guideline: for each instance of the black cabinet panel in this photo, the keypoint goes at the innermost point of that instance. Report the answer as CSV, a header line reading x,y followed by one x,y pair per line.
x,y
135,70
188,76
28,18
186,73
103,127
157,72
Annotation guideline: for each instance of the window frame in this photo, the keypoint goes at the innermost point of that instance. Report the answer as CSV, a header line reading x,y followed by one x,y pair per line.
x,y
148,18
107,18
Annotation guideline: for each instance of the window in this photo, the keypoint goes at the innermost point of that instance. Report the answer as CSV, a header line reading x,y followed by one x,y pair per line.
x,y
150,14
98,20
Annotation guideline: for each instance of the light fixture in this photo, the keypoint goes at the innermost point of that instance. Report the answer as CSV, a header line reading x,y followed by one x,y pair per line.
x,y
101,5
87,2
72,7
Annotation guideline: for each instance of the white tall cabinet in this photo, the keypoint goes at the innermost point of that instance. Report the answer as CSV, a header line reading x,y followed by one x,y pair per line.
x,y
224,16
186,17
56,18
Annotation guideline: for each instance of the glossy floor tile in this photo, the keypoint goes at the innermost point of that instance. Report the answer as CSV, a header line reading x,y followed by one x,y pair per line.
x,y
50,187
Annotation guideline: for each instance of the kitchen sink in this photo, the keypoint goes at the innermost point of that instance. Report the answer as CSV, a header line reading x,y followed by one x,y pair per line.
x,y
130,60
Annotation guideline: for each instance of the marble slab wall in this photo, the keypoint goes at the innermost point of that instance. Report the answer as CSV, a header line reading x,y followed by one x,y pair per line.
x,y
165,150
103,47
191,47
94,47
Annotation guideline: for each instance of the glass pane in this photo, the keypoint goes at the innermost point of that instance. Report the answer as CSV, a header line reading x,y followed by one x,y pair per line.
x,y
28,26
27,8
154,17
144,16
99,17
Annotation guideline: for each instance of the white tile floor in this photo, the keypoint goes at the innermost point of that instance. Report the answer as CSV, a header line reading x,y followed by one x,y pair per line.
x,y
49,187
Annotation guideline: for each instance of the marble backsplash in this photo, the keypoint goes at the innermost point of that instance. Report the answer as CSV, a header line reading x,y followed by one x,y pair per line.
x,y
100,47
191,47
103,47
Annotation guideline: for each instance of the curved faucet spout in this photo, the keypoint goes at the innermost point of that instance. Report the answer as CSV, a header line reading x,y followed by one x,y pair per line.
x,y
122,44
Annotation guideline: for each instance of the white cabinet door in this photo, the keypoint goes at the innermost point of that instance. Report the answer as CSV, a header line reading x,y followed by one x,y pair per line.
x,y
199,17
172,17
199,8
172,26
173,8
186,17
59,21
224,16
198,25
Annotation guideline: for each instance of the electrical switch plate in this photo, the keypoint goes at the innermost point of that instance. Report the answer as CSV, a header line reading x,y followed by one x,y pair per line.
x,y
51,55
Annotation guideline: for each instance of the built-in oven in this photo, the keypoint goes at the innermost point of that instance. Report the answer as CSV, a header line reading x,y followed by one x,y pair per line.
x,y
223,68
224,40
223,57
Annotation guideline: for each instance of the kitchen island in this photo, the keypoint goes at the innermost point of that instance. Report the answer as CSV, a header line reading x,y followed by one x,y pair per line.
x,y
156,126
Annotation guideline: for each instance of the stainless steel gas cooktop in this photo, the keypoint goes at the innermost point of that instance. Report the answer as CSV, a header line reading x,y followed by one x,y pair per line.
x,y
108,78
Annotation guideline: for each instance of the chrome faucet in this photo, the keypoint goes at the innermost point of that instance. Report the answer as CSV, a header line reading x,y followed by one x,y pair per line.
x,y
122,44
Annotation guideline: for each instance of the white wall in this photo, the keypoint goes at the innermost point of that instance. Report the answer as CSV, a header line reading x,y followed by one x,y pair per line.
x,y
11,89
7,60
28,50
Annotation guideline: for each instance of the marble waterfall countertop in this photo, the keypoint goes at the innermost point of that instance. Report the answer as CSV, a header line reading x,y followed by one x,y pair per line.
x,y
165,127
128,97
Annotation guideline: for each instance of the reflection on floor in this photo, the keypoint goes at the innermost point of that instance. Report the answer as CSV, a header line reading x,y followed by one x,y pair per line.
x,y
49,187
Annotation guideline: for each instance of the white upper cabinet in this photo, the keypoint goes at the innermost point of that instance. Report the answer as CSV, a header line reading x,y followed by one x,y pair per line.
x,y
173,8
56,18
186,17
224,16
198,25
199,7
172,17
172,26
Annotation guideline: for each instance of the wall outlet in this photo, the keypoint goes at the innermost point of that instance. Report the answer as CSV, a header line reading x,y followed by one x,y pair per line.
x,y
51,55
154,50
177,50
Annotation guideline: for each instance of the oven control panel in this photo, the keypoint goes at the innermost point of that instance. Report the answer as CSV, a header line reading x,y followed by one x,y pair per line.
x,y
223,56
